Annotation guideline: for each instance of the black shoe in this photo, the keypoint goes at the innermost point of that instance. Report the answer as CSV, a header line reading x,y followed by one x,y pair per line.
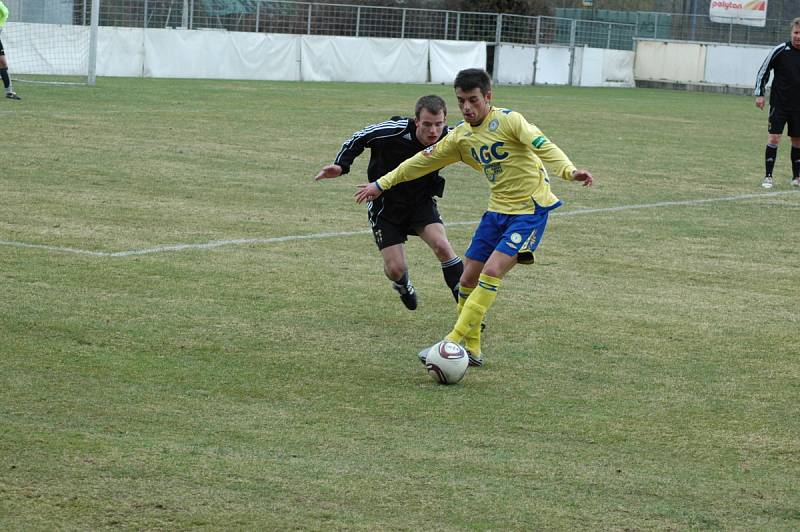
x,y
475,361
12,96
423,356
407,295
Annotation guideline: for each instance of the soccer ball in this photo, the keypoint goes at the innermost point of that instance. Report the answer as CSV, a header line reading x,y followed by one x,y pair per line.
x,y
447,362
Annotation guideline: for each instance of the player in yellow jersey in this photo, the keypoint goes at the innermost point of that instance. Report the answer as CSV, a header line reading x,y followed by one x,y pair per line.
x,y
510,152
3,62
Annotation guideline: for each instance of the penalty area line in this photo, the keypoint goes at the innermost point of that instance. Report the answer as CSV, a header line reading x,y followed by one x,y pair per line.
x,y
316,236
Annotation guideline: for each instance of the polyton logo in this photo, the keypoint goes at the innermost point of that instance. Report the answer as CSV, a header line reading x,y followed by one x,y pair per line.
x,y
726,5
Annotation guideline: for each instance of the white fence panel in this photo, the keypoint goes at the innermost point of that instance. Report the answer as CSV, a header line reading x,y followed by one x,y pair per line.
x,y
734,65
448,57
120,51
670,61
553,66
219,55
364,59
516,64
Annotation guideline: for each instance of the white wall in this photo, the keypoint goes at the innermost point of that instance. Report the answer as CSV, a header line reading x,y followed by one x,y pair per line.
x,y
516,64
552,65
713,64
448,57
363,59
734,65
591,67
670,61
234,55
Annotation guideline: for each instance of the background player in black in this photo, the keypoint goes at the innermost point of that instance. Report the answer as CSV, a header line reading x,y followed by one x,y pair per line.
x,y
409,209
784,101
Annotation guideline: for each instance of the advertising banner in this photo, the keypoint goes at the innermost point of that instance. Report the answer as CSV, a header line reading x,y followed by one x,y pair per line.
x,y
745,12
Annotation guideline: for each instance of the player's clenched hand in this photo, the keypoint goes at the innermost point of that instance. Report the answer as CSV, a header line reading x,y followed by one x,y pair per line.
x,y
331,170
367,192
585,176
760,102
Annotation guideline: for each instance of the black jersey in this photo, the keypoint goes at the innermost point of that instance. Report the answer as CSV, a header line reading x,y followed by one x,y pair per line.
x,y
784,61
390,143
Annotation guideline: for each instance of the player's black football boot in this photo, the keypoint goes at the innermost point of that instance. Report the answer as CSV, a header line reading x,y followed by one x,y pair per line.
x,y
407,295
475,361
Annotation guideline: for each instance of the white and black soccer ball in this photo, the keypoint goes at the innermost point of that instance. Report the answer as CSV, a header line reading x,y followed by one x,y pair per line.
x,y
447,362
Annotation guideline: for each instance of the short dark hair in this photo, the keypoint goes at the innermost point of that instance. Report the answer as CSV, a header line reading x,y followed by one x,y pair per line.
x,y
796,22
432,103
473,78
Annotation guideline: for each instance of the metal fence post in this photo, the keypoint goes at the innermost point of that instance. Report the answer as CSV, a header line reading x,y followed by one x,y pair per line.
x,y
538,30
573,28
358,19
403,26
608,43
308,23
498,34
258,15
458,26
572,31
95,18
446,23
144,22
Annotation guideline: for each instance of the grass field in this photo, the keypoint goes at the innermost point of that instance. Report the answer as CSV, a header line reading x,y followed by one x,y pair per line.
x,y
644,375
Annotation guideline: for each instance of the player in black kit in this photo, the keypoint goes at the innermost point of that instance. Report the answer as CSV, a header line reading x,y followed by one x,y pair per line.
x,y
784,101
410,208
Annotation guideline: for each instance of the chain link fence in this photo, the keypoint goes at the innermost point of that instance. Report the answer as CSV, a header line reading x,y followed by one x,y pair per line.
x,y
700,28
570,26
306,18
686,27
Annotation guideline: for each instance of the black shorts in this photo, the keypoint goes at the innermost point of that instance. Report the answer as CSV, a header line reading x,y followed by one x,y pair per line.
x,y
2,52
392,223
779,118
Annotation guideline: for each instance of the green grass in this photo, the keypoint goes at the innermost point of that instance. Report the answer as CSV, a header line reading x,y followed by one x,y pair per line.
x,y
642,376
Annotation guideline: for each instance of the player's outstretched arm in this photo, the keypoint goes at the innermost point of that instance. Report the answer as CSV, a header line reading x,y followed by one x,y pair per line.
x,y
583,175
367,192
329,171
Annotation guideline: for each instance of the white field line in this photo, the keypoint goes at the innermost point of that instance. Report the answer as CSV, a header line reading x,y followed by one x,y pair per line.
x,y
316,236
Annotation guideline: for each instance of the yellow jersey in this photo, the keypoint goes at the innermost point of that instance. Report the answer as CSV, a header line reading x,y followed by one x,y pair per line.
x,y
509,151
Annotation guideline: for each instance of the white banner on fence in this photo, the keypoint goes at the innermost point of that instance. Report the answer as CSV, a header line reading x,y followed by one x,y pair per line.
x,y
219,55
670,61
362,59
745,12
601,67
448,57
553,65
516,64
734,65
618,68
120,51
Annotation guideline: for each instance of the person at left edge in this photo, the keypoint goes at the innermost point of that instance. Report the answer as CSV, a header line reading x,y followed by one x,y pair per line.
x,y
3,61
409,209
